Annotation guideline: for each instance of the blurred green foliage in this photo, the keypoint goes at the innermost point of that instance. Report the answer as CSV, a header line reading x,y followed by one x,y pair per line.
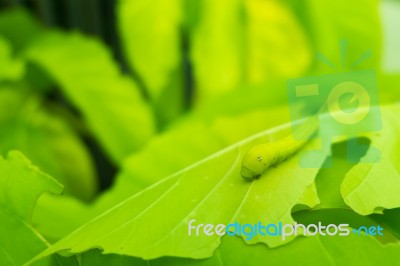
x,y
202,75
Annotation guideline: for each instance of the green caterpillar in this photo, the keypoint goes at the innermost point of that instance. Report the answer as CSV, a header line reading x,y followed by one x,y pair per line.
x,y
261,157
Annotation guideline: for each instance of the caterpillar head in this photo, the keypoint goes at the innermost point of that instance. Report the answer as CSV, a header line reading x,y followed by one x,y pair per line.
x,y
256,161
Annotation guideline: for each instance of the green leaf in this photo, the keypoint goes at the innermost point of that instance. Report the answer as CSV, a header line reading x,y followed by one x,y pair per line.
x,y
244,100
277,46
11,69
200,191
68,149
388,84
244,44
67,214
152,41
346,216
24,28
20,186
369,188
193,139
217,48
359,27
46,139
172,102
110,102
326,250
329,179
351,250
390,219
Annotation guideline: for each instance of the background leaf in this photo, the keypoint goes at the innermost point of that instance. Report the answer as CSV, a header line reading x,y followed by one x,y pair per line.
x,y
18,175
217,47
28,28
369,188
152,39
280,50
11,69
360,28
110,102
27,125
